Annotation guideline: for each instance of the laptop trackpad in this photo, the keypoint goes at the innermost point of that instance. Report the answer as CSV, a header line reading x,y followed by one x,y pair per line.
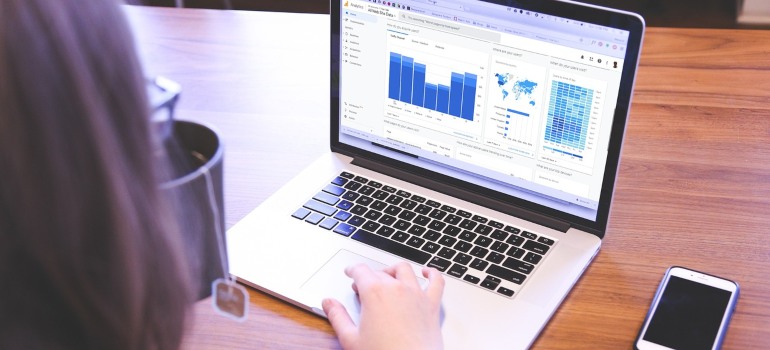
x,y
330,281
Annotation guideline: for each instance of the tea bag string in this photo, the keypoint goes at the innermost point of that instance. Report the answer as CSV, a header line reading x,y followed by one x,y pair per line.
x,y
217,223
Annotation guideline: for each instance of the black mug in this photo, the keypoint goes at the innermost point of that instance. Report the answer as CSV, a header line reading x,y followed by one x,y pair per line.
x,y
197,197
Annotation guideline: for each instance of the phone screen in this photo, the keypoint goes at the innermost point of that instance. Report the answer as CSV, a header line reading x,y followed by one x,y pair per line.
x,y
688,315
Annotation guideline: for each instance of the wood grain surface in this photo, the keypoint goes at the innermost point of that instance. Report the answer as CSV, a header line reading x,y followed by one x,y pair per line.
x,y
693,190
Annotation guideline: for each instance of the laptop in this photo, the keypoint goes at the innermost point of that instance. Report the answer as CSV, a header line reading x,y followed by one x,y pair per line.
x,y
481,138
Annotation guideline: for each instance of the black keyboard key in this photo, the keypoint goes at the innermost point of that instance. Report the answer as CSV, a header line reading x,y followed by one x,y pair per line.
x,y
402,225
439,264
415,242
375,184
301,213
407,215
452,230
511,229
421,220
352,185
432,235
322,208
364,200
479,264
339,181
361,179
386,231
328,223
480,219
436,225
403,193
516,252
350,196
392,247
471,279
464,214
380,195
347,175
394,199
314,218
356,221
344,205
546,240
400,236
518,265
431,247
467,236
423,209
344,229
529,235
483,230
359,210
479,252
437,214
418,199
463,246
433,204
457,270
378,205
366,190
483,241
468,224
497,225
370,226
499,235
392,210
417,230
372,215
448,208
388,189
447,253
506,274
536,247
447,240
342,215
495,257
499,247
533,258
337,191
387,220
505,291
453,219
515,240
408,204
462,258
490,282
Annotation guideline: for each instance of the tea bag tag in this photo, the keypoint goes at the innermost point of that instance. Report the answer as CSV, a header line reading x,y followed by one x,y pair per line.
x,y
230,299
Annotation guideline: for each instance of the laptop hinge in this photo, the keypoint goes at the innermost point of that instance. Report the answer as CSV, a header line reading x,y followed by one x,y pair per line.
x,y
462,194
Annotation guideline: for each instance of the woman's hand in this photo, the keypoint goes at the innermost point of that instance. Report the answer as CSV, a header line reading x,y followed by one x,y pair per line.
x,y
396,313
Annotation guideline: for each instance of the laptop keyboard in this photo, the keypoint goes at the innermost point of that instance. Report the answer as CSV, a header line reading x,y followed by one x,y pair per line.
x,y
487,253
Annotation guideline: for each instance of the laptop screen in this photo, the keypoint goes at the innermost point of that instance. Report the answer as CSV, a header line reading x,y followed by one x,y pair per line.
x,y
514,100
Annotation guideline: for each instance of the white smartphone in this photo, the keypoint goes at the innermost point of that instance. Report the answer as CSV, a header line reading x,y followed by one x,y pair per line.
x,y
691,310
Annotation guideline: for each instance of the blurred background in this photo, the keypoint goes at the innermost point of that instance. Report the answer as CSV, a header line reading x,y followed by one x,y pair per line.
x,y
752,14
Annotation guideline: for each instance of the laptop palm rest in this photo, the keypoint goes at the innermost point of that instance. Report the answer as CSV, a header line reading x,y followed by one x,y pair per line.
x,y
330,281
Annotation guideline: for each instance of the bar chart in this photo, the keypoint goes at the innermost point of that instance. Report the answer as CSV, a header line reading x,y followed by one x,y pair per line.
x,y
407,82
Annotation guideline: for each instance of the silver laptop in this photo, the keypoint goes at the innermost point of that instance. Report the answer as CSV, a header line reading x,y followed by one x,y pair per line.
x,y
481,138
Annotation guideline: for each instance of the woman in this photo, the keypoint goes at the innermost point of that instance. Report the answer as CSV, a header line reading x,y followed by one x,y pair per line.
x,y
88,256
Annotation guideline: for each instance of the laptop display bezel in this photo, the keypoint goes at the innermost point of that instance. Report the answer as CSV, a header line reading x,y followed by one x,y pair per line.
x,y
632,23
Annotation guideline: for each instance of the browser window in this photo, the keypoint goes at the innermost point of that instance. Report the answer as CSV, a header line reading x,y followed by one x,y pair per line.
x,y
516,101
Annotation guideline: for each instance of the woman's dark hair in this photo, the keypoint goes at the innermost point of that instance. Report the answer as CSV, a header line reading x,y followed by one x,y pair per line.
x,y
89,258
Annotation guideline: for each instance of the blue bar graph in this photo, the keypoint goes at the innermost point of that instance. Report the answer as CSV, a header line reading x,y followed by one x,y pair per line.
x,y
407,83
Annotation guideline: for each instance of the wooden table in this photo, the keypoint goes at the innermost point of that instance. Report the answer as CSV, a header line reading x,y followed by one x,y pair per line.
x,y
694,185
